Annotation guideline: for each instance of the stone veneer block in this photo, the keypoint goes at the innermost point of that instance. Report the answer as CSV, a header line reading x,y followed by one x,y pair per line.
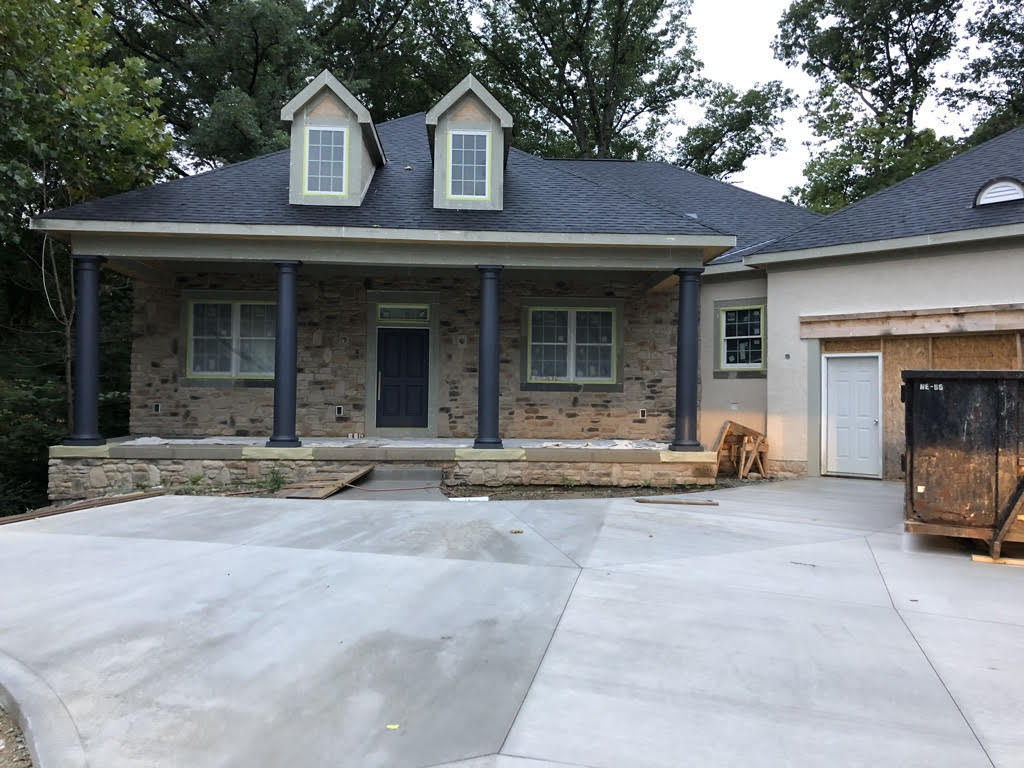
x,y
225,452
564,454
628,456
420,453
689,457
141,451
79,451
490,454
280,454
348,453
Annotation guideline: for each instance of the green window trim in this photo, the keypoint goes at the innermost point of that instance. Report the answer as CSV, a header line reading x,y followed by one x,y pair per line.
x,y
487,172
570,345
235,374
723,339
306,191
422,312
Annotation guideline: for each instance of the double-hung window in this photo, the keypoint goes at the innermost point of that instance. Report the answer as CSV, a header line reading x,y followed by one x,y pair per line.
x,y
572,344
325,160
467,164
742,338
231,339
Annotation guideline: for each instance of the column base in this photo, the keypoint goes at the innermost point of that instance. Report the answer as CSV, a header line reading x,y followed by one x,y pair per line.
x,y
686,445
283,442
84,440
488,443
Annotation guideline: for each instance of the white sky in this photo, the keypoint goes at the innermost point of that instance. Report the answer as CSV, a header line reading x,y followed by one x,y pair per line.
x,y
734,41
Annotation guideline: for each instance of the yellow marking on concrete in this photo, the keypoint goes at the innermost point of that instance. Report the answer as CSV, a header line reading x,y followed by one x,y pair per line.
x,y
482,454
263,452
689,457
79,451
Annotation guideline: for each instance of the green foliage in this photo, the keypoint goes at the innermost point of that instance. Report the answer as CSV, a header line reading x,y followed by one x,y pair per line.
x,y
273,481
32,416
228,66
736,127
875,65
993,80
74,127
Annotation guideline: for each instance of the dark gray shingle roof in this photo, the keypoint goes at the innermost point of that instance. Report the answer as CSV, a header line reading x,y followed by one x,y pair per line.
x,y
939,199
754,219
571,196
537,198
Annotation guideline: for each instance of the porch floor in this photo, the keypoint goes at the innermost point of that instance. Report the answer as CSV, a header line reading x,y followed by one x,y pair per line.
x,y
398,442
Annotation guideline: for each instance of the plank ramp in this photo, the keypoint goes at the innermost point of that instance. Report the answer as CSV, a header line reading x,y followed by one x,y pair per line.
x,y
324,484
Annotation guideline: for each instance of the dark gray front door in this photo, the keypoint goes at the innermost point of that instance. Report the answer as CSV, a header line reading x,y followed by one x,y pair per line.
x,y
402,368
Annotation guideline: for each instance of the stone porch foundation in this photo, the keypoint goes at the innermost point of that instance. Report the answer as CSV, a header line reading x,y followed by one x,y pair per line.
x,y
78,472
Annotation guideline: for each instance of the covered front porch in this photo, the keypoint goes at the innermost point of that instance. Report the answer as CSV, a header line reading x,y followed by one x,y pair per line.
x,y
223,461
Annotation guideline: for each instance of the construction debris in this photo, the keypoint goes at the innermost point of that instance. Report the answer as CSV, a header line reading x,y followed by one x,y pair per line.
x,y
690,502
742,450
324,484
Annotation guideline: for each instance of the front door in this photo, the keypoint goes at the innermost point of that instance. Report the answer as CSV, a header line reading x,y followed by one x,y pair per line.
x,y
852,415
402,368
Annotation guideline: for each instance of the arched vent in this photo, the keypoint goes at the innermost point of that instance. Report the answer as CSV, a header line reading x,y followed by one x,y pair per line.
x,y
1000,191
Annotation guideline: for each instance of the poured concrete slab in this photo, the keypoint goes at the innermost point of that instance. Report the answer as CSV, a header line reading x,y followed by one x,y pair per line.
x,y
791,625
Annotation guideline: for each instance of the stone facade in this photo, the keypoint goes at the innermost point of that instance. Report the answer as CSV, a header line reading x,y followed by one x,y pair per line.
x,y
333,349
78,478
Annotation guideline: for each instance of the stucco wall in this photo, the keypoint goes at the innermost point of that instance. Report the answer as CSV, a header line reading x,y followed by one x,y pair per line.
x,y
722,399
332,329
941,277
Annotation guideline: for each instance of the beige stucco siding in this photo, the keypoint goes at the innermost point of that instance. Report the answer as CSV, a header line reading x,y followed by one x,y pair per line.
x,y
735,399
952,276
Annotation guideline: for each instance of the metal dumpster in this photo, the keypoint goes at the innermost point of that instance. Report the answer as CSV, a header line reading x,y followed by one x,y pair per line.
x,y
965,454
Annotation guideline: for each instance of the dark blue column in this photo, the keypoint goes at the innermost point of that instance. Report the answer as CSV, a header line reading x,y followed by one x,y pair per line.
x,y
487,370
85,427
285,359
687,361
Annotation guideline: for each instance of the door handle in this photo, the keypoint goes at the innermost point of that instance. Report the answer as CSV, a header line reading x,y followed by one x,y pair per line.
x,y
378,387
876,422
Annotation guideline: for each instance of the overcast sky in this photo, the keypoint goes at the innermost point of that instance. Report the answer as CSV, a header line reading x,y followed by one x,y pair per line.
x,y
734,42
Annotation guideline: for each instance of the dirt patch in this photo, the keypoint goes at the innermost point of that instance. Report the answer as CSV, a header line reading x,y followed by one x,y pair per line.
x,y
13,752
529,492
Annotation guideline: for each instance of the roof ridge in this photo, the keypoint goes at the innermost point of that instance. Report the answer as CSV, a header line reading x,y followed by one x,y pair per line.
x,y
642,201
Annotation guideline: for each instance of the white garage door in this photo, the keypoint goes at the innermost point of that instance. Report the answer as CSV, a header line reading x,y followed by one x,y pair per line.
x,y
852,400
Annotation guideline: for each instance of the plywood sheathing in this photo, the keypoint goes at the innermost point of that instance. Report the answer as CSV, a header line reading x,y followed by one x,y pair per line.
x,y
975,351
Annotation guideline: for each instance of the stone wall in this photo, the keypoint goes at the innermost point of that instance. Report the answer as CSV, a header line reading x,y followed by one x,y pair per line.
x,y
79,478
333,348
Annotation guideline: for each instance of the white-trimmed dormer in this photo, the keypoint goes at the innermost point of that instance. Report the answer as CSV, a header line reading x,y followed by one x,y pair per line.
x,y
469,134
334,145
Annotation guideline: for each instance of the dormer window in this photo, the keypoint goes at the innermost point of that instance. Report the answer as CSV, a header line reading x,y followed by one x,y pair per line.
x,y
325,160
335,150
1000,191
469,133
468,176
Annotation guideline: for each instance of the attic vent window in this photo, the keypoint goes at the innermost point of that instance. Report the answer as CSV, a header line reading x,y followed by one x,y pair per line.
x,y
1000,191
325,160
467,167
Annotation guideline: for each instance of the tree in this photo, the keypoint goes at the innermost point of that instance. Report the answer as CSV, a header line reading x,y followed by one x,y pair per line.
x,y
875,62
993,81
736,127
603,78
74,128
228,66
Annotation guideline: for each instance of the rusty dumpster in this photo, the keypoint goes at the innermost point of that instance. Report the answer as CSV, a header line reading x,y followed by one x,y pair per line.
x,y
964,461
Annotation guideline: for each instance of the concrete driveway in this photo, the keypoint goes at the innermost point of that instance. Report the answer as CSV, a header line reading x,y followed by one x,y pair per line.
x,y
790,626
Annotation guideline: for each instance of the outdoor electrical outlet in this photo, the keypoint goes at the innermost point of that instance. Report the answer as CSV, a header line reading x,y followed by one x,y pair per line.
x,y
339,410
643,413
156,407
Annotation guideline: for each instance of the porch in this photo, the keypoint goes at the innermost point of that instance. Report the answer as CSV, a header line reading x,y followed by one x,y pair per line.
x,y
146,462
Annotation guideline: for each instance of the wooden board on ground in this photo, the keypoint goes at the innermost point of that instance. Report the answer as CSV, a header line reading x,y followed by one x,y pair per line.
x,y
79,505
690,502
324,484
999,560
744,448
